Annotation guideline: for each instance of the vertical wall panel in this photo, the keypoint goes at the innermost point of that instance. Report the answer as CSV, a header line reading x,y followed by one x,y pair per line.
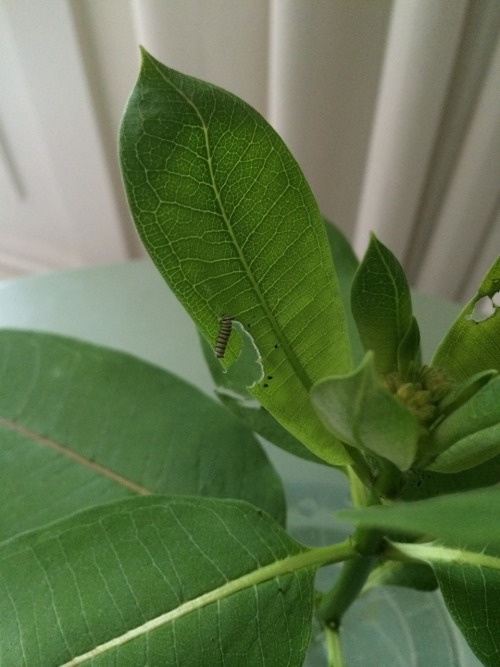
x,y
325,64
46,49
222,41
423,40
382,103
110,76
33,234
471,202
479,37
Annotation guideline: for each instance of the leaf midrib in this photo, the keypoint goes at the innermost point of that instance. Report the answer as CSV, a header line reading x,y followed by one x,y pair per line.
x,y
292,358
96,468
397,295
310,558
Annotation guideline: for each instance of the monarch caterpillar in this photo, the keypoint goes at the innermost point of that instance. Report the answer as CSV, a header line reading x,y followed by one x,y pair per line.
x,y
226,324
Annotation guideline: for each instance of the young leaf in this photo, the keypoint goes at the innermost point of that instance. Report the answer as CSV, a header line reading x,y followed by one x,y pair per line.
x,y
471,345
471,434
362,413
230,222
408,352
346,264
381,305
82,425
156,581
469,517
422,484
463,391
418,576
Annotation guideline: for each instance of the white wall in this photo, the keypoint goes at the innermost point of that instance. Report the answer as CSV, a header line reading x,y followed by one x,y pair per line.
x,y
391,108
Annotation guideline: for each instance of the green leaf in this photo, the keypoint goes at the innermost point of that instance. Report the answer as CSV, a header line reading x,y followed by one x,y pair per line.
x,y
362,413
418,576
470,435
346,264
231,224
469,517
381,305
471,595
408,353
471,346
398,627
469,583
426,484
463,391
156,581
82,425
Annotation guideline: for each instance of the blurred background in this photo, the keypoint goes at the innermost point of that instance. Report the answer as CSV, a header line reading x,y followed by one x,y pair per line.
x,y
391,107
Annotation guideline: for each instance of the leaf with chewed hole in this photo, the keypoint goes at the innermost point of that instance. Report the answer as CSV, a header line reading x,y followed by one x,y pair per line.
x,y
232,225
472,343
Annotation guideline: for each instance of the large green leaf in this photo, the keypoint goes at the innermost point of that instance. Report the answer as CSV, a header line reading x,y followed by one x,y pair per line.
x,y
469,582
469,518
360,411
181,581
82,425
472,596
396,627
229,220
472,344
381,305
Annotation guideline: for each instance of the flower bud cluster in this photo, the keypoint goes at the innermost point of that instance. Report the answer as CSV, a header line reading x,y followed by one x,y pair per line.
x,y
422,395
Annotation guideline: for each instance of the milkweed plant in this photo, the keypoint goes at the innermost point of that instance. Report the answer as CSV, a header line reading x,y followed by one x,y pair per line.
x,y
164,540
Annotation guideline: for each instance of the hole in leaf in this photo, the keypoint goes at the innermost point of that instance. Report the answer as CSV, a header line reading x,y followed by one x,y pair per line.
x,y
484,308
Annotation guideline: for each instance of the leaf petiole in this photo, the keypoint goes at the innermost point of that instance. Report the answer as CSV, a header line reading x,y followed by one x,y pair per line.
x,y
334,648
435,553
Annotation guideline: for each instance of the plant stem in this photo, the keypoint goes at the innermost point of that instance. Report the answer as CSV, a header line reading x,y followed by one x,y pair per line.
x,y
388,480
358,490
352,577
333,648
368,543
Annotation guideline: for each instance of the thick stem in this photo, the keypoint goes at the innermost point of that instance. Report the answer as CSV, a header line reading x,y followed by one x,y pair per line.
x,y
368,543
352,578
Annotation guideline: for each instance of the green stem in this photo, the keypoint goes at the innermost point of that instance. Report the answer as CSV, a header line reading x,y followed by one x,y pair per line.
x,y
359,492
352,578
368,543
388,480
333,648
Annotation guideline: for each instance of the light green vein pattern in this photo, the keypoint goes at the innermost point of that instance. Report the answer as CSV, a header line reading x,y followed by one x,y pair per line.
x,y
472,595
230,222
227,596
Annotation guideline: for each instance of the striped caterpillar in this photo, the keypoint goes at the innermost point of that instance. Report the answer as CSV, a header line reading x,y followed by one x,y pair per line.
x,y
226,324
